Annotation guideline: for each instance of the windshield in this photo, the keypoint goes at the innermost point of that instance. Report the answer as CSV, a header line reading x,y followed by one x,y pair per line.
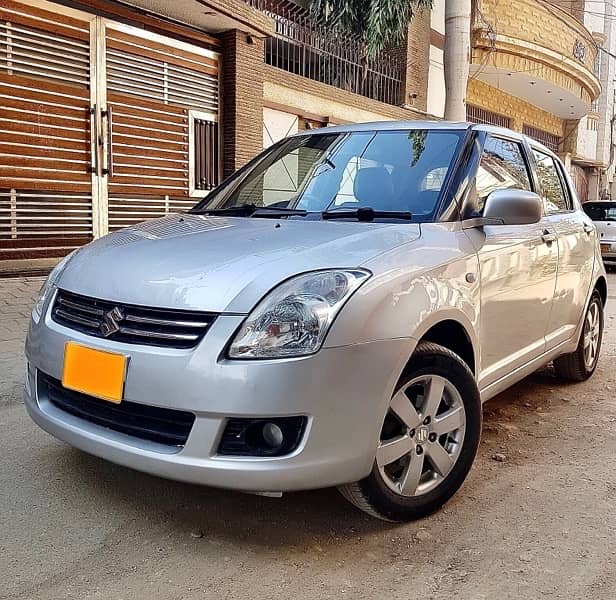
x,y
600,211
394,171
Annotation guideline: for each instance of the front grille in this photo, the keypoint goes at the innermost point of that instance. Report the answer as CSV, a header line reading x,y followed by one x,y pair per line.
x,y
129,323
162,425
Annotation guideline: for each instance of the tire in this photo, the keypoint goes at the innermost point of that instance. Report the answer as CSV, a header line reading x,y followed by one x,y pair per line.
x,y
577,366
412,486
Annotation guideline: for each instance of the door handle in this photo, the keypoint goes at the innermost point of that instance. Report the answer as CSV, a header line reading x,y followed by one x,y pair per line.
x,y
94,139
108,142
548,237
588,228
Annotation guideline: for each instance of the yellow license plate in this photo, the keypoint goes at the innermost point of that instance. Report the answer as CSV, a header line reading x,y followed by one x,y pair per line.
x,y
94,372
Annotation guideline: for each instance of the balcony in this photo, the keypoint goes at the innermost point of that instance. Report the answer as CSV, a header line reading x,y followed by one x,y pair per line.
x,y
538,52
302,47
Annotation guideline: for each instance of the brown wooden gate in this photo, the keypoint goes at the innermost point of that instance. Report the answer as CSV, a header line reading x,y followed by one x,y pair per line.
x,y
45,178
101,125
157,94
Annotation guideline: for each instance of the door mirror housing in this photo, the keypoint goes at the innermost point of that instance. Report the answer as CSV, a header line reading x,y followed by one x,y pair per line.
x,y
513,207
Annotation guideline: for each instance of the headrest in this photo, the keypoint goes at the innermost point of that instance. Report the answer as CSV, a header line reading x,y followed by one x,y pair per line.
x,y
373,187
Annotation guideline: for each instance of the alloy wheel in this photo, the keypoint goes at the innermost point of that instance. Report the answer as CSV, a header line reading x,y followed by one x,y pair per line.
x,y
592,332
422,435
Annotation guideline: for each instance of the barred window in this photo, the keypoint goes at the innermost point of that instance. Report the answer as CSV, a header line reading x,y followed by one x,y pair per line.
x,y
204,153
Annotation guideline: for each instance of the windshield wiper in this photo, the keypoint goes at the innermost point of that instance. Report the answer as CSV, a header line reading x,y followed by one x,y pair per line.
x,y
239,210
252,210
271,211
366,214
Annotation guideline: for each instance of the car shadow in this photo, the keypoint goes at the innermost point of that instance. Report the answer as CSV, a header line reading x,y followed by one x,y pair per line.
x,y
297,518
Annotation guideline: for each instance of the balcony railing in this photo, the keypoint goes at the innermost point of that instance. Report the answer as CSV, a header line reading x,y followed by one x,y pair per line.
x,y
302,47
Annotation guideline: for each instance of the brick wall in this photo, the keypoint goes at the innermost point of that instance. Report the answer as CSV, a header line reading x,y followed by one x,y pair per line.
x,y
418,60
521,113
414,51
242,98
539,38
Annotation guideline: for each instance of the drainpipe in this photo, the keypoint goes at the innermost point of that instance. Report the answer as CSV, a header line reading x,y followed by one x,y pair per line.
x,y
456,57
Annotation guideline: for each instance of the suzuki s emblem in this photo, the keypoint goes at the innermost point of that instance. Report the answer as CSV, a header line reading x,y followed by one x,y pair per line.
x,y
111,321
422,435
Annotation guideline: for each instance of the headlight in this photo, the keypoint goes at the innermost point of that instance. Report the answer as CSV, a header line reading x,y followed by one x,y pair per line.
x,y
293,319
48,286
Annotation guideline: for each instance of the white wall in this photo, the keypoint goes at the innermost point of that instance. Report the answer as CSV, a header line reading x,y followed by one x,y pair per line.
x,y
594,15
586,140
436,83
437,20
277,125
436,76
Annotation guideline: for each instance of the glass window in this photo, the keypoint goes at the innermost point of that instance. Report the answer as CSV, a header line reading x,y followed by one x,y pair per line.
x,y
399,171
502,167
555,197
600,211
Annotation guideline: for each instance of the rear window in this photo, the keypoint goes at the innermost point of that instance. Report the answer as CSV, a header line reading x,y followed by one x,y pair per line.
x,y
600,211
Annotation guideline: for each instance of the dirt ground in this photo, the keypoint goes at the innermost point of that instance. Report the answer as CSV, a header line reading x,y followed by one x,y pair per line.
x,y
540,524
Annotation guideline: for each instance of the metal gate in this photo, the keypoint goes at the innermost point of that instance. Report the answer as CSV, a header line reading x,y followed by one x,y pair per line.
x,y
101,125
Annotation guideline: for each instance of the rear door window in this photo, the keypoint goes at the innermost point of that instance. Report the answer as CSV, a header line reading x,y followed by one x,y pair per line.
x,y
555,195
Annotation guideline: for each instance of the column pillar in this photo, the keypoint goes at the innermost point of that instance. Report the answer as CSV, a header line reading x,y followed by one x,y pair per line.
x,y
241,98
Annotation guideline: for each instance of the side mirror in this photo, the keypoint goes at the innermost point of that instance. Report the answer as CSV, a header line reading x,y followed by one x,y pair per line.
x,y
513,207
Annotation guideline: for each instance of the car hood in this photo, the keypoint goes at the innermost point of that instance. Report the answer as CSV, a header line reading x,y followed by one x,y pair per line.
x,y
220,264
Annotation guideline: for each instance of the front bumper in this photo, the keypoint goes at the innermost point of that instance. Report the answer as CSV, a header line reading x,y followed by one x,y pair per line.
x,y
343,391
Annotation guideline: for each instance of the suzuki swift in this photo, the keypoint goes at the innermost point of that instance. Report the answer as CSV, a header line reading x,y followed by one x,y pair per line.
x,y
334,314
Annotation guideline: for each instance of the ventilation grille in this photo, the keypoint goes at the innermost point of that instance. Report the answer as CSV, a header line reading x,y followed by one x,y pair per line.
x,y
35,224
549,140
161,81
34,53
166,426
476,114
26,214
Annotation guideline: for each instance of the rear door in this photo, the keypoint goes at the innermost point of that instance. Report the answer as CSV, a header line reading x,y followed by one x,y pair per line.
x,y
576,243
518,268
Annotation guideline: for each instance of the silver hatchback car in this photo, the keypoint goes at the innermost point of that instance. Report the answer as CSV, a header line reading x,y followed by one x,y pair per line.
x,y
603,215
334,314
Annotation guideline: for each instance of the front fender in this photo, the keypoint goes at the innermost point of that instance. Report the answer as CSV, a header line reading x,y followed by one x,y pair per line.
x,y
414,287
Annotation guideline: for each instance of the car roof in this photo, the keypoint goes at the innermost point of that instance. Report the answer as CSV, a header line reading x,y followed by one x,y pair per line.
x,y
426,124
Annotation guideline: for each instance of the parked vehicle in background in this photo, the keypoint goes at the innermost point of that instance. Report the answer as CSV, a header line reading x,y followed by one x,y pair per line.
x,y
334,313
603,215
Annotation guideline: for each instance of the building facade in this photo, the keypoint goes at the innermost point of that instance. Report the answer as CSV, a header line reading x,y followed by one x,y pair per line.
x,y
540,68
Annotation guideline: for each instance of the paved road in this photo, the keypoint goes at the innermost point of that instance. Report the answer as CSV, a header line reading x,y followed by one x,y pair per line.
x,y
541,524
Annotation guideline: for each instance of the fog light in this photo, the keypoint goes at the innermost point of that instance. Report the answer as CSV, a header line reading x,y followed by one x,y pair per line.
x,y
272,435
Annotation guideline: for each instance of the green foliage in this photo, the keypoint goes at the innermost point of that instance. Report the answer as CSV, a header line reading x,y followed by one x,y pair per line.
x,y
418,141
379,23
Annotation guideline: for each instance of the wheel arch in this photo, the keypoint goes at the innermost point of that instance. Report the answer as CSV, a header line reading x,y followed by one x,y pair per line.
x,y
601,287
451,333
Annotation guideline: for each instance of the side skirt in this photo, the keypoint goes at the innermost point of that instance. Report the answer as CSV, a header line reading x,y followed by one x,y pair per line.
x,y
523,371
